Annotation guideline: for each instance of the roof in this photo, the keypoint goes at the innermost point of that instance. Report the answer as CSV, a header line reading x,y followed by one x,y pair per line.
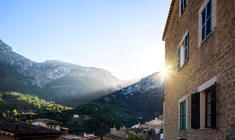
x,y
20,128
155,122
168,19
47,121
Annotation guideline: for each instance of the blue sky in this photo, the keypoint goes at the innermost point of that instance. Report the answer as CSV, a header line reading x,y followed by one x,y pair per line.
x,y
121,36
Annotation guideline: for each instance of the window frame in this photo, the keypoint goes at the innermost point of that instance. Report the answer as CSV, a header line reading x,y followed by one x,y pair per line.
x,y
212,111
182,125
183,115
206,16
203,36
183,51
199,105
182,6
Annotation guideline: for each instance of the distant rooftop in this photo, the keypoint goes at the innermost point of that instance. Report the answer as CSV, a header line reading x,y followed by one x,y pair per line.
x,y
19,128
47,121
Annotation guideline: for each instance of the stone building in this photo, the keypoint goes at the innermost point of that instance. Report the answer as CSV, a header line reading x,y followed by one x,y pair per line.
x,y
199,100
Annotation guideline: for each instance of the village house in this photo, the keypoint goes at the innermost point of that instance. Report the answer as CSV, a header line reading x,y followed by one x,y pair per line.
x,y
199,100
47,123
18,130
155,125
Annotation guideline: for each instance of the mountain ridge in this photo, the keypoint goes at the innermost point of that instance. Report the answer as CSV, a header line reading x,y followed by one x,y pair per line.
x,y
139,102
72,85
52,76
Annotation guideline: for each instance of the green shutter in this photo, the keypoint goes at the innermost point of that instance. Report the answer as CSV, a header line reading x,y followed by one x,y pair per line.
x,y
186,47
178,58
195,110
183,115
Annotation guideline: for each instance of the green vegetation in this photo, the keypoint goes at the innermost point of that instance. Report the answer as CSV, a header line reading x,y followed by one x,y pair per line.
x,y
24,107
89,117
135,137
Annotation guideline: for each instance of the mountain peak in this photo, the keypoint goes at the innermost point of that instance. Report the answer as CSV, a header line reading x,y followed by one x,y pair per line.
x,y
4,47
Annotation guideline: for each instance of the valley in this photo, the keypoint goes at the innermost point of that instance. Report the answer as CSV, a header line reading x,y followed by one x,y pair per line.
x,y
58,90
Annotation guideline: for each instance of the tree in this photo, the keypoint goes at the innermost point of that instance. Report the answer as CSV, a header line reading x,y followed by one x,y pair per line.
x,y
14,112
135,137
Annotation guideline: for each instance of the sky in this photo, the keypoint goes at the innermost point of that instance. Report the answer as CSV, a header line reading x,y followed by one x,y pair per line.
x,y
120,36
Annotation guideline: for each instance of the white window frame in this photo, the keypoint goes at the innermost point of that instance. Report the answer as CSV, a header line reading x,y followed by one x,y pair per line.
x,y
213,21
202,88
181,51
180,13
184,98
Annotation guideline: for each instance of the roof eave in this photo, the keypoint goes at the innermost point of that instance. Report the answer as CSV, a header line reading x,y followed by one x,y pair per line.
x,y
168,19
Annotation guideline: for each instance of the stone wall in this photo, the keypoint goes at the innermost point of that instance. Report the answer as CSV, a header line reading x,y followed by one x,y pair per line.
x,y
214,57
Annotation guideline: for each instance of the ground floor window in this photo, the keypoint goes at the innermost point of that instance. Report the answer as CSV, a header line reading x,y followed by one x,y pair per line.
x,y
203,108
182,113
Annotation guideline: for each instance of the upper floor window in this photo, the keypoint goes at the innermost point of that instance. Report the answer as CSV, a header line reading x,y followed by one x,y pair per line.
x,y
207,20
183,50
206,15
182,4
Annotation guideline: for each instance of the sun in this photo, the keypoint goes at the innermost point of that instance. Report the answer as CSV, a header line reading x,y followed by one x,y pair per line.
x,y
164,73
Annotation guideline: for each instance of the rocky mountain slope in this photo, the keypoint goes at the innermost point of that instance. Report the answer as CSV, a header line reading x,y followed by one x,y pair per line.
x,y
53,80
138,102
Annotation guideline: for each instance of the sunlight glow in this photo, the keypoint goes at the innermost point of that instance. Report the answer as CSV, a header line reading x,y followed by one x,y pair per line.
x,y
164,73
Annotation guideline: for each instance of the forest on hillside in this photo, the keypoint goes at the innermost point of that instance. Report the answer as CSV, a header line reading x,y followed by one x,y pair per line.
x,y
26,107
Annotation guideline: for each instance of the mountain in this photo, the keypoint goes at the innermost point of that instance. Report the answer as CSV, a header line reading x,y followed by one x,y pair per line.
x,y
72,85
65,83
138,102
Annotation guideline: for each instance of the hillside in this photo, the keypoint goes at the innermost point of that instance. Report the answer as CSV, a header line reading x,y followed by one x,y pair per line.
x,y
27,107
73,85
138,102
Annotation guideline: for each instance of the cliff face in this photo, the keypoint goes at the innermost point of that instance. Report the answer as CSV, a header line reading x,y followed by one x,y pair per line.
x,y
57,78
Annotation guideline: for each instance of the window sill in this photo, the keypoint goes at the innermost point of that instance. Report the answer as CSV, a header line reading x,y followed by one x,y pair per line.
x,y
185,63
203,42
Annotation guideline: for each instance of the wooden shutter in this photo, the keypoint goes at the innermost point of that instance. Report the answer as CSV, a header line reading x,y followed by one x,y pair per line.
x,y
213,105
186,47
183,115
181,6
178,58
195,110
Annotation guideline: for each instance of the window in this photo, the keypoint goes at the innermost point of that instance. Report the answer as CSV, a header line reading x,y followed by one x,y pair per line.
x,y
183,115
203,108
207,20
182,4
183,51
182,120
206,16
211,107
